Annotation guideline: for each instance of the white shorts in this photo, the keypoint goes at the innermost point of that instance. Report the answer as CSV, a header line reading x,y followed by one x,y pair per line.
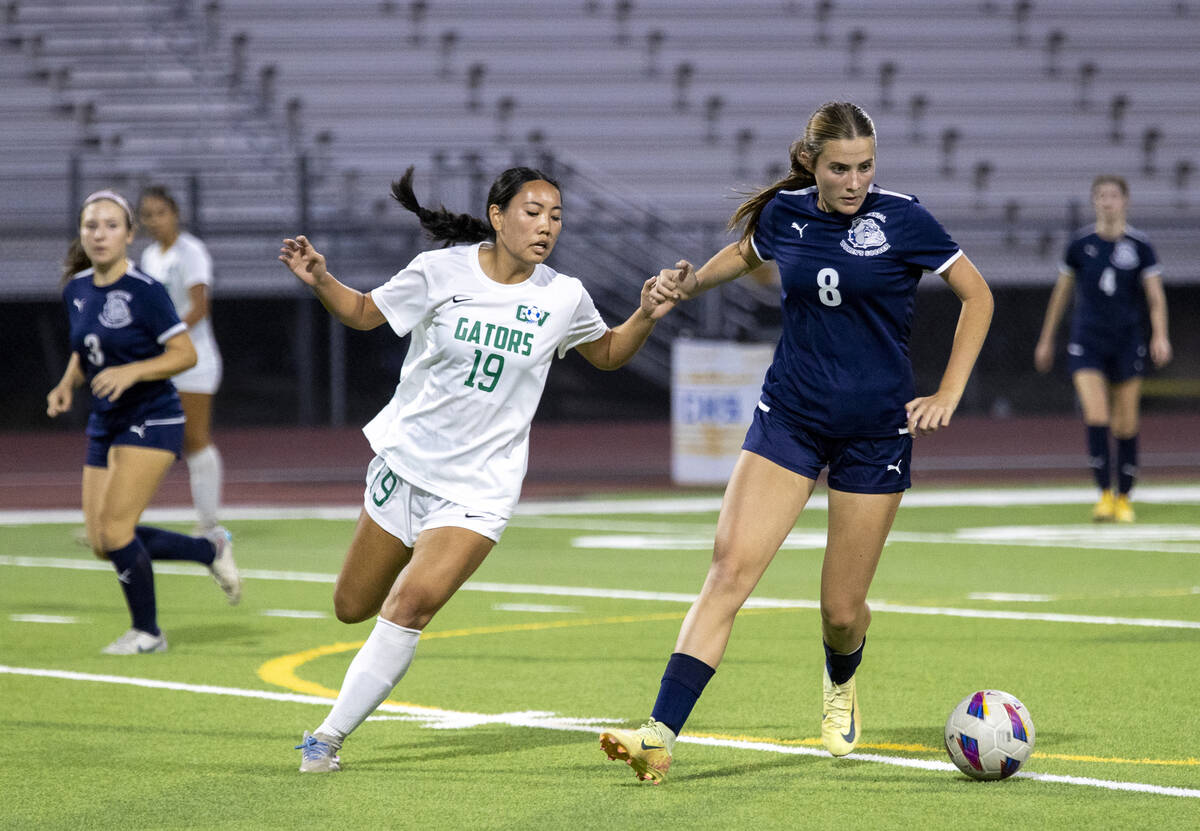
x,y
205,376
404,510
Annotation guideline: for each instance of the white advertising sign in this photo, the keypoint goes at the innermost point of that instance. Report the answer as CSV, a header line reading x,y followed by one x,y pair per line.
x,y
714,389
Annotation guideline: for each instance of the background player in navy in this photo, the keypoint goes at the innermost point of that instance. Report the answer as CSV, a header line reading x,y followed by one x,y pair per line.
x,y
1113,275
838,394
126,341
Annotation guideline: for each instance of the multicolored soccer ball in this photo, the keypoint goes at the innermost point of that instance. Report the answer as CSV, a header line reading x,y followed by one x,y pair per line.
x,y
989,735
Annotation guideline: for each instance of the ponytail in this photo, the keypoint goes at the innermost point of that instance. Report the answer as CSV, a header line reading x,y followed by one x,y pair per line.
x,y
441,224
75,262
750,210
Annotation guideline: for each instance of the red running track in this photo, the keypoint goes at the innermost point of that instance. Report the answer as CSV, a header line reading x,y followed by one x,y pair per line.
x,y
291,465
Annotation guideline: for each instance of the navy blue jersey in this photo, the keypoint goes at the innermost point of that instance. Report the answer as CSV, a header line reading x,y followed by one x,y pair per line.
x,y
1108,283
848,287
126,321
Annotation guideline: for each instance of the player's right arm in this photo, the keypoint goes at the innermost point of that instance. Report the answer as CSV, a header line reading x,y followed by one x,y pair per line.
x,y
728,264
1060,298
59,399
350,306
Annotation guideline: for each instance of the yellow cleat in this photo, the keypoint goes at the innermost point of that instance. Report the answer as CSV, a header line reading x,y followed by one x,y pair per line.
x,y
647,750
1123,509
1105,508
842,720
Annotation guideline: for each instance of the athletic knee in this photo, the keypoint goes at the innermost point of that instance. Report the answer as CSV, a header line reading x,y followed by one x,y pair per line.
x,y
350,608
843,617
111,535
730,574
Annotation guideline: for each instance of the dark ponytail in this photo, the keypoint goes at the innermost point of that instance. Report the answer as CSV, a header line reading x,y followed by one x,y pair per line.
x,y
750,210
832,120
440,224
454,228
75,261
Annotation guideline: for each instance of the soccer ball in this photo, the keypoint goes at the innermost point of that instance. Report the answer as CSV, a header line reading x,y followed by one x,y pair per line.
x,y
989,735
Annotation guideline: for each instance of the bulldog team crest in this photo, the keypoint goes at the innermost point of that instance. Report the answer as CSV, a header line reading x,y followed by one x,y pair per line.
x,y
116,313
866,237
1124,255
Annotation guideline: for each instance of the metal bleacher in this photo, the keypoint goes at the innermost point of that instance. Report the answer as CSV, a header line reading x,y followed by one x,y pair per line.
x,y
277,117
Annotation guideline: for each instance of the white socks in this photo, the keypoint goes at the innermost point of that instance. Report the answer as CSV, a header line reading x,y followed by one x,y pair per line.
x,y
375,670
205,473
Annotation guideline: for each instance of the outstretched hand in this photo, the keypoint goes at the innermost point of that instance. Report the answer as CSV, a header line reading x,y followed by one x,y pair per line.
x,y
303,260
664,291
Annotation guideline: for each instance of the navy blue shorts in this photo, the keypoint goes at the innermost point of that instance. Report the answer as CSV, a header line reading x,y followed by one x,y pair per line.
x,y
856,465
163,431
1119,357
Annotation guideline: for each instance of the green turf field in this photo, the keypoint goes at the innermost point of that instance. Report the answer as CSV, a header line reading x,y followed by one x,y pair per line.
x,y
566,629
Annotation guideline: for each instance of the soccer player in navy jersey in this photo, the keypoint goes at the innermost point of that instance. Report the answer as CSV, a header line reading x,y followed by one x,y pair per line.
x,y
126,342
839,394
1112,273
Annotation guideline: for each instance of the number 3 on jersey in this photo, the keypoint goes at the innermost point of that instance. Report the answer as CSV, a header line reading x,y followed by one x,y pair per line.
x,y
827,280
491,368
95,353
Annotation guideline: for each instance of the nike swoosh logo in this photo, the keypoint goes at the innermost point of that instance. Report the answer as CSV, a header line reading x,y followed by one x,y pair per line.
x,y
459,298
849,737
651,746
475,516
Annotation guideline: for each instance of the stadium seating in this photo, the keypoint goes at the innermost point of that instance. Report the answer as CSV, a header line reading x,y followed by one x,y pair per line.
x,y
996,113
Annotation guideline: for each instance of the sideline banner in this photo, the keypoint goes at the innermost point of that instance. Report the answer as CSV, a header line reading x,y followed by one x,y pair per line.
x,y
714,389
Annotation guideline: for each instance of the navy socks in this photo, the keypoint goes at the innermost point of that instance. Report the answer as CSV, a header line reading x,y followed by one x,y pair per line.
x,y
682,683
1098,456
1127,463
137,581
168,545
841,667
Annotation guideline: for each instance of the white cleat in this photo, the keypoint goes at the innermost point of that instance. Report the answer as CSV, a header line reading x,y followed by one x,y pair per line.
x,y
224,569
136,642
318,753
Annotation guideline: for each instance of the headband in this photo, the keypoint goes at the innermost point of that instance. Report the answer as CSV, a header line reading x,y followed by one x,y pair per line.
x,y
112,196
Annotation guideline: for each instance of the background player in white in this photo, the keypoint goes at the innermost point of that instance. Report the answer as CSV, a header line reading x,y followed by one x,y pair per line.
x,y
839,393
126,342
486,321
1111,275
181,262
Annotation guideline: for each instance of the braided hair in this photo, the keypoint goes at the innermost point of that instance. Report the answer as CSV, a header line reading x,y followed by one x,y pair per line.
x,y
452,228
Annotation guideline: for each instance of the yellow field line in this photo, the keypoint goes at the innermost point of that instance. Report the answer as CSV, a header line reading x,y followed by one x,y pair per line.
x,y
282,673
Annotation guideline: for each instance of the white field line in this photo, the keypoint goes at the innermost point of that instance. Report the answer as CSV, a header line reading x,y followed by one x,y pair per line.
x,y
959,497
626,594
437,718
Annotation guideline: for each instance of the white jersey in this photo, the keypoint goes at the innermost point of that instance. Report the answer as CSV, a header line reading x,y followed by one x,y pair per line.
x,y
458,423
185,264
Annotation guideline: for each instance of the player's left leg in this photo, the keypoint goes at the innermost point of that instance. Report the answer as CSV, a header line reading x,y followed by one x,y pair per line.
x,y
1126,418
134,474
205,468
1091,388
442,560
858,527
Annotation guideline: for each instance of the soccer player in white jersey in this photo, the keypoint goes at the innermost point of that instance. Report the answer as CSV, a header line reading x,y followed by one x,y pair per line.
x,y
486,320
181,262
126,343
839,393
1111,274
